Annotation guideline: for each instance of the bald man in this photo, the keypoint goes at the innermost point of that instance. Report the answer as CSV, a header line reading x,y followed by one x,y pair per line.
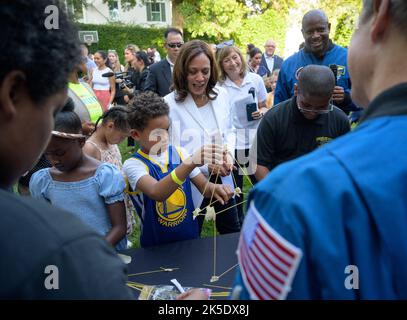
x,y
319,49
300,124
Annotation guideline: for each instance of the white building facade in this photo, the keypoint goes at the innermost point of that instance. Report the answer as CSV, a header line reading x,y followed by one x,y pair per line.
x,y
157,13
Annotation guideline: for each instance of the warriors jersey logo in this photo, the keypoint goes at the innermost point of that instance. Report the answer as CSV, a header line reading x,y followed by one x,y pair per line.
x,y
172,211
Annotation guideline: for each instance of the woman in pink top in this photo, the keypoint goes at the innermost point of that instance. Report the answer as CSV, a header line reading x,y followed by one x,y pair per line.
x,y
104,87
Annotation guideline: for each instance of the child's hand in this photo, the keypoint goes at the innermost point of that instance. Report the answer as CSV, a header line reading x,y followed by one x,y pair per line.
x,y
221,192
207,154
228,162
223,169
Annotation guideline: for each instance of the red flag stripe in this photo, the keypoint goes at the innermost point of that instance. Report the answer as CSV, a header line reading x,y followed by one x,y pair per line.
x,y
246,275
265,274
270,258
270,291
276,254
249,266
272,237
273,269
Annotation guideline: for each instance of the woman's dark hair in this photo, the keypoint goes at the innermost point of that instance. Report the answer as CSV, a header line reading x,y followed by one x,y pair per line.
x,y
142,56
190,51
253,52
119,116
171,30
250,47
103,54
67,120
148,105
29,46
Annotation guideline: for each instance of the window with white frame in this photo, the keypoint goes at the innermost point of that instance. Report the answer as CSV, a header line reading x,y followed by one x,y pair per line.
x,y
156,11
114,10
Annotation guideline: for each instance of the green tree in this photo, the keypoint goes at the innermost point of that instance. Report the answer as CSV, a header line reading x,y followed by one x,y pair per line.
x,y
212,19
345,28
257,29
343,15
261,6
244,21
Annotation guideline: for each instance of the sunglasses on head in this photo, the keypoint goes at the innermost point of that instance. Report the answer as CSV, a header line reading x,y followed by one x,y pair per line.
x,y
175,45
228,43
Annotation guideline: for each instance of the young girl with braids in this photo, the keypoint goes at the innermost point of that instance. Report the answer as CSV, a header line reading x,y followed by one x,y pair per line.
x,y
80,184
110,130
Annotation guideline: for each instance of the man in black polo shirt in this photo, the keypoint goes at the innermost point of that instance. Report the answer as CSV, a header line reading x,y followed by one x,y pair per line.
x,y
301,124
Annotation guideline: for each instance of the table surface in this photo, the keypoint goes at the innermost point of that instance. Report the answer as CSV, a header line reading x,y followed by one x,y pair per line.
x,y
194,258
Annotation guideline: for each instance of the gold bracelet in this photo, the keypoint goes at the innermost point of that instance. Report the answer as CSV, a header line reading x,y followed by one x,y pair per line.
x,y
176,179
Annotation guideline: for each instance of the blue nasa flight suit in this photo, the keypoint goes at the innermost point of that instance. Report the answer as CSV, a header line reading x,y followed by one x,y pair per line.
x,y
161,221
346,204
287,76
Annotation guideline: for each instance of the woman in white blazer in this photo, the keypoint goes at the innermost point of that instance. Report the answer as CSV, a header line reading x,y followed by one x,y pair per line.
x,y
200,114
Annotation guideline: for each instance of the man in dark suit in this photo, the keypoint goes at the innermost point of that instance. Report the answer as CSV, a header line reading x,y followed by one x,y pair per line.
x,y
269,62
160,78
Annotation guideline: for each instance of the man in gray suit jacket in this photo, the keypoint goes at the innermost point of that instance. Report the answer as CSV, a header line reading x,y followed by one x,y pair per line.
x,y
159,79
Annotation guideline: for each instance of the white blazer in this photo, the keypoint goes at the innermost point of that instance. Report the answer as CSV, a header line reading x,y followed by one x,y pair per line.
x,y
188,128
187,123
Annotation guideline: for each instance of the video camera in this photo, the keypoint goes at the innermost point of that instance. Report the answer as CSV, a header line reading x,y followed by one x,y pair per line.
x,y
124,76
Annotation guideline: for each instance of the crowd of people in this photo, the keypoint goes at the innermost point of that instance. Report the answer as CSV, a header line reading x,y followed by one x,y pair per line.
x,y
204,117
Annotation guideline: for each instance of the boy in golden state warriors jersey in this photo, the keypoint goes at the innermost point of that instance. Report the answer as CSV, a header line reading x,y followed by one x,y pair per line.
x,y
160,175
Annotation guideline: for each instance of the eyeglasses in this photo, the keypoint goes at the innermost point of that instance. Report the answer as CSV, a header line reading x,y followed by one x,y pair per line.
x,y
325,110
175,45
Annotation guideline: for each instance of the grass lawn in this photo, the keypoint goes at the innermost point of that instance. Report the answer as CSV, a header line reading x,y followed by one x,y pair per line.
x,y
207,229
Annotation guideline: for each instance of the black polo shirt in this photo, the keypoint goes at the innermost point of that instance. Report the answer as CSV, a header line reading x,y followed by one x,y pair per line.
x,y
285,134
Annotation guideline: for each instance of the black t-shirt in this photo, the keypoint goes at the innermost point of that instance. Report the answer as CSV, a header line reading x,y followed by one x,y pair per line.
x,y
285,134
34,235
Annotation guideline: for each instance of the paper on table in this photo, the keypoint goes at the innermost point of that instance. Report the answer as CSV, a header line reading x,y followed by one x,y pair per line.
x,y
178,285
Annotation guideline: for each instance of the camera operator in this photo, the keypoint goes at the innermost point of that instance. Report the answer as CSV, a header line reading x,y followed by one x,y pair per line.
x,y
124,83
113,63
123,97
140,65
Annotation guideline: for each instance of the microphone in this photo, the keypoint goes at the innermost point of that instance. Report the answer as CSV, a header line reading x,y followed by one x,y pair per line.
x,y
252,92
108,74
334,69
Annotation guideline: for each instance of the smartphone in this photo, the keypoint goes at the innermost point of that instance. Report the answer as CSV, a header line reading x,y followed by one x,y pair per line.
x,y
250,108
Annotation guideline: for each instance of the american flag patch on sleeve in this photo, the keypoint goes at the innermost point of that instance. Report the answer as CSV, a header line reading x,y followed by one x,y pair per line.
x,y
268,262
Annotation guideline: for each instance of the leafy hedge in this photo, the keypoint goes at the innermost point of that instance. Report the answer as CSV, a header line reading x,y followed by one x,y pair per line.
x,y
112,36
117,37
